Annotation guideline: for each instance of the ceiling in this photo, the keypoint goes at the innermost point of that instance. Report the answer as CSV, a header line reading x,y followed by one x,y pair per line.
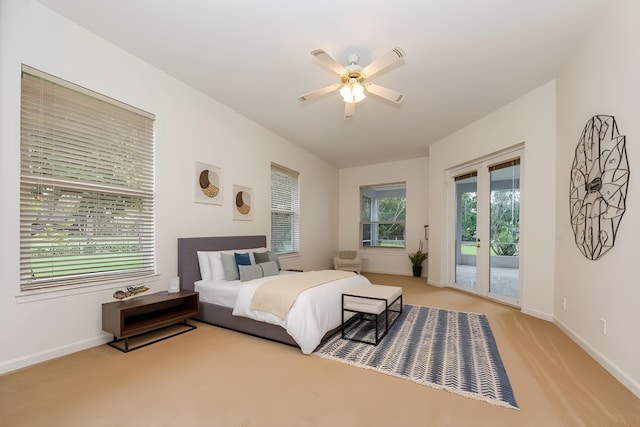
x,y
464,59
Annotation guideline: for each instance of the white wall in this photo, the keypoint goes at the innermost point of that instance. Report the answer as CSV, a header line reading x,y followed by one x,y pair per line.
x,y
415,173
603,77
189,127
529,120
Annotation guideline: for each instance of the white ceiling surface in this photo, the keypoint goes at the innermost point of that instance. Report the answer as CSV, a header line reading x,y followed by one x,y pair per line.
x,y
464,59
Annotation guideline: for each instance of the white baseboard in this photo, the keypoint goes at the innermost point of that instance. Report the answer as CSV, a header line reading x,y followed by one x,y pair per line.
x,y
611,367
539,314
395,273
32,359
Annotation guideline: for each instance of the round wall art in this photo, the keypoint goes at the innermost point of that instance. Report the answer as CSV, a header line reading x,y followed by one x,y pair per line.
x,y
243,203
598,186
208,184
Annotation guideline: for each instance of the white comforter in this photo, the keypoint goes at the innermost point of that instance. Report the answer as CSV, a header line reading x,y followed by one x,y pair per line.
x,y
316,311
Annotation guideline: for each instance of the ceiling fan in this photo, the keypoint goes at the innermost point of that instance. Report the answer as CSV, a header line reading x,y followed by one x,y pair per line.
x,y
355,86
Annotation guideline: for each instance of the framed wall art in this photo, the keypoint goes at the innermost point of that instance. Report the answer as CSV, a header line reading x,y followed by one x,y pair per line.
x,y
242,203
208,184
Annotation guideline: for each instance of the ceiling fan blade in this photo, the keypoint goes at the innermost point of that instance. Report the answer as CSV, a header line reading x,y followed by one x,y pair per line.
x,y
349,109
386,93
319,92
327,60
385,61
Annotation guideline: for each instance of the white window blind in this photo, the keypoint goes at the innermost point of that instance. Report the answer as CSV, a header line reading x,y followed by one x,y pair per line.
x,y
86,186
285,210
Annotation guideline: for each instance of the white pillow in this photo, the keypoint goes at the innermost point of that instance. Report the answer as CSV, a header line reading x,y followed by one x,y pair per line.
x,y
217,272
205,266
215,262
211,264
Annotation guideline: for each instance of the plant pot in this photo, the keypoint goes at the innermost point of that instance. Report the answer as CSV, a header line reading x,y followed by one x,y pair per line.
x,y
417,270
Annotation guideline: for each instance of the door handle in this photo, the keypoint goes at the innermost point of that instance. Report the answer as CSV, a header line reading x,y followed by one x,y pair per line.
x,y
477,243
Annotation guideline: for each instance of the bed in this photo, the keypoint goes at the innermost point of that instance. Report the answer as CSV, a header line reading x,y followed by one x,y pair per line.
x,y
313,317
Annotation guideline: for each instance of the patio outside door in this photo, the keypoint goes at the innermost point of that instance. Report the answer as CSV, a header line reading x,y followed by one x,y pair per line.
x,y
487,236
467,240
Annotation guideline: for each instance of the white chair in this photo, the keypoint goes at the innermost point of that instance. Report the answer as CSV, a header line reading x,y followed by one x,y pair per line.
x,y
348,261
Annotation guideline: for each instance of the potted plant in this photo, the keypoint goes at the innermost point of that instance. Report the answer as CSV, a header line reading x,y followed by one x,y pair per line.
x,y
417,258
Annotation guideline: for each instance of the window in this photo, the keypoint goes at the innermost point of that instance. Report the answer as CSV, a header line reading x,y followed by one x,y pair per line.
x,y
285,210
86,186
383,210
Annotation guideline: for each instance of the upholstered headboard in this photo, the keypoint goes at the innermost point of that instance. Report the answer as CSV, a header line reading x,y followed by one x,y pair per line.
x,y
188,267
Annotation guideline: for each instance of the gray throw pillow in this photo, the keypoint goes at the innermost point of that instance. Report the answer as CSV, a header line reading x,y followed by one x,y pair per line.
x,y
269,268
229,267
267,256
261,257
274,257
250,272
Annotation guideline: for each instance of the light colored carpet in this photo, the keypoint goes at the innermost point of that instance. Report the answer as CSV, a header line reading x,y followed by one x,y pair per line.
x,y
213,377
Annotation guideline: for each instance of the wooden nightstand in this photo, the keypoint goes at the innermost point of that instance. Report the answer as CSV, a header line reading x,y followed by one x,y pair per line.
x,y
147,313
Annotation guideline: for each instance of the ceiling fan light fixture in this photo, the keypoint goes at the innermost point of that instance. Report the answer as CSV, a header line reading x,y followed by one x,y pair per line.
x,y
358,92
352,91
354,85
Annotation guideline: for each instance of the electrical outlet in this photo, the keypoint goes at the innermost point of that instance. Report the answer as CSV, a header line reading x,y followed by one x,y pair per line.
x,y
564,303
603,326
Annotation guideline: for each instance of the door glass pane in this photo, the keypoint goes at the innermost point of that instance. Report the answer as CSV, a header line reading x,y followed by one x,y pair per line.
x,y
466,215
505,230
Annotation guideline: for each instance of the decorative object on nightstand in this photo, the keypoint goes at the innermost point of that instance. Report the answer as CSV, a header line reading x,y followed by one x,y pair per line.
x,y
130,292
417,258
347,261
174,285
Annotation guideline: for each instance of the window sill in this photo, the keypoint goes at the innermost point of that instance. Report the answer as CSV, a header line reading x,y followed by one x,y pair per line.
x,y
382,250
71,290
289,256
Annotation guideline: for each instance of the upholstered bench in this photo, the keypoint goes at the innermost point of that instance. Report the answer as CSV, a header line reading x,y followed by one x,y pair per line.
x,y
366,305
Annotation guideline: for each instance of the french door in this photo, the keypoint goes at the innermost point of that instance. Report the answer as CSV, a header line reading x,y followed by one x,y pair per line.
x,y
487,227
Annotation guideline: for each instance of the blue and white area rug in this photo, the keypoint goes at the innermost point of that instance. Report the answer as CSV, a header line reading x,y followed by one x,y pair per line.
x,y
449,350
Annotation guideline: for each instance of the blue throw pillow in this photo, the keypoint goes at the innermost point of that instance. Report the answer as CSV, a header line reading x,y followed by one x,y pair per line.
x,y
242,259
